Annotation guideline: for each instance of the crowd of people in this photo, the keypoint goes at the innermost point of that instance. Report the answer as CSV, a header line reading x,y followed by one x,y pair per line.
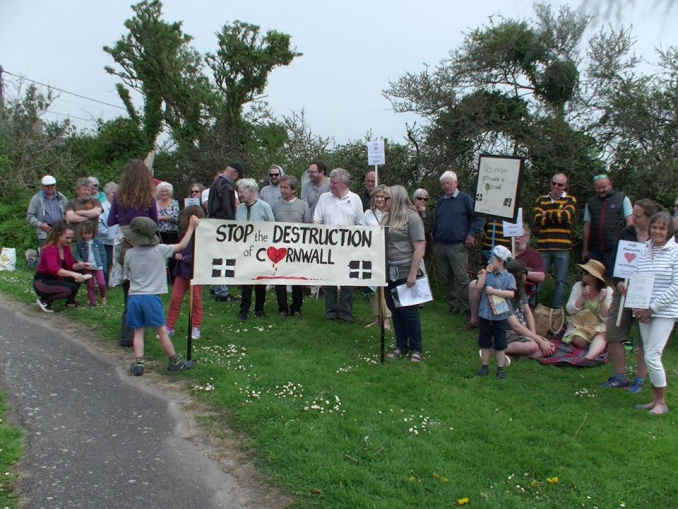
x,y
88,238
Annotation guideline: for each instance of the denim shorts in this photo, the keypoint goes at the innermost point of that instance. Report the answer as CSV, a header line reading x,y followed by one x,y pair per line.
x,y
145,311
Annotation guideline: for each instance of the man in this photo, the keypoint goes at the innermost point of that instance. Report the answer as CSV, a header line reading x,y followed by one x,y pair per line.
x,y
535,276
221,204
82,208
554,216
370,183
454,231
45,208
338,207
317,185
289,209
605,216
271,193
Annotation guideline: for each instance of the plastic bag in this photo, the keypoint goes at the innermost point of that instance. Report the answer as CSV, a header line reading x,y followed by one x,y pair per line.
x,y
8,259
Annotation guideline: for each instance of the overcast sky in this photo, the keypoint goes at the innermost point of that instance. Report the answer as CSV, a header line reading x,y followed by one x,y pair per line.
x,y
351,49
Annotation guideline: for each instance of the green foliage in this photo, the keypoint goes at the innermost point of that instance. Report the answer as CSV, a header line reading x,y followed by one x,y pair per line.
x,y
11,447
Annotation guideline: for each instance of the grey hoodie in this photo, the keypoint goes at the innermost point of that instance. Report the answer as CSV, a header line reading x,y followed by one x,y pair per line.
x,y
271,193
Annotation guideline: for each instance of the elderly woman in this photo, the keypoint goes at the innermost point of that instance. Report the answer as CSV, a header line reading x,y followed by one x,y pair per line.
x,y
55,278
405,253
168,219
588,307
252,209
420,199
660,260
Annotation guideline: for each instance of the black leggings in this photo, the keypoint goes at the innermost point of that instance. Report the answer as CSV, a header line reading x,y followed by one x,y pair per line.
x,y
55,289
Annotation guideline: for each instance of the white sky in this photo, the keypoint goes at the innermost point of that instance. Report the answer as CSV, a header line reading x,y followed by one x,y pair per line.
x,y
351,49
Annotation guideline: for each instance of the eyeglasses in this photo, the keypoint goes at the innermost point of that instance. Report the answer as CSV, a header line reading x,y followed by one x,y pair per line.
x,y
558,184
274,174
422,198
311,172
599,177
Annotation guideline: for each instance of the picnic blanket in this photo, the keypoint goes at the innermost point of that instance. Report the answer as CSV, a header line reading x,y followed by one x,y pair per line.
x,y
568,355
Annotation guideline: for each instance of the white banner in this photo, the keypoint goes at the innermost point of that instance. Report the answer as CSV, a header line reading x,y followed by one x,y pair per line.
x,y
242,253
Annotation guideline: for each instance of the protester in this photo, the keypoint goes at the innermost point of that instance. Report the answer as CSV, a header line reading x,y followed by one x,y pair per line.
x,y
616,335
660,260
271,193
183,276
95,191
168,219
134,198
107,233
420,199
317,184
588,307
290,209
370,182
554,216
405,254
82,208
91,253
145,269
372,217
454,233
605,216
46,207
195,192
252,209
497,285
55,278
338,207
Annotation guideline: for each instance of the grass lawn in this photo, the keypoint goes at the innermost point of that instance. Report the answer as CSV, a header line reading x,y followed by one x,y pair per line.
x,y
336,429
10,452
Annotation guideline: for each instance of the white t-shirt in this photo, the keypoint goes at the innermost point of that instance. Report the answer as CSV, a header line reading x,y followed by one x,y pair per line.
x,y
338,211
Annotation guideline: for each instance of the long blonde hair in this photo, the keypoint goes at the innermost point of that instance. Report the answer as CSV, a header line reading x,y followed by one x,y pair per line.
x,y
401,208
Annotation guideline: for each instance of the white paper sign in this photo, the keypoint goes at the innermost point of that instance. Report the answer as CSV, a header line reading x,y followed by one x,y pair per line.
x,y
191,201
418,294
628,254
244,253
514,229
375,153
639,293
498,187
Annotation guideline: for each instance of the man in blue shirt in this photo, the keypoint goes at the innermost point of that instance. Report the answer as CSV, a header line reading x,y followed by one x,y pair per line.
x,y
454,232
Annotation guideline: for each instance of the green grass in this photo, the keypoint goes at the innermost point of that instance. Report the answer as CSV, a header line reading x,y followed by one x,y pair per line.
x,y
11,450
334,428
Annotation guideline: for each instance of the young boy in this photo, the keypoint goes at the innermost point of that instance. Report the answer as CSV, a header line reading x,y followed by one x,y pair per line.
x,y
497,285
145,268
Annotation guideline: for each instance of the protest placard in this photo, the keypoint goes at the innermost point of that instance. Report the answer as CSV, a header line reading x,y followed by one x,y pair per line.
x,y
497,190
628,254
639,293
514,229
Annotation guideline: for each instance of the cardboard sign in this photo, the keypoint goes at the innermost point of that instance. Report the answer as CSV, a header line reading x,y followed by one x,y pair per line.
x,y
376,153
244,253
639,293
628,254
497,190
514,229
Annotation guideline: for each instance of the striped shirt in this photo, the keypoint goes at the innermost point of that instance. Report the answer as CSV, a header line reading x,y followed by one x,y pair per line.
x,y
554,218
662,263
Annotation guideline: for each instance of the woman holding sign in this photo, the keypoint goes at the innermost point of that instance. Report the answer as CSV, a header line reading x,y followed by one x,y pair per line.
x,y
656,323
406,246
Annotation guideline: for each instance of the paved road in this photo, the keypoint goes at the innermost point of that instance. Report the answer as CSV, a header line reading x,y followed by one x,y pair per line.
x,y
97,437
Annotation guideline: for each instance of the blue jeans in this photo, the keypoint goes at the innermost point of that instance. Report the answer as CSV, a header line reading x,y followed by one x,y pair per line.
x,y
220,290
405,322
561,266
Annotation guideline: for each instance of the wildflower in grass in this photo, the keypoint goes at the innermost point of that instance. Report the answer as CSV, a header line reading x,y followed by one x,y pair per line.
x,y
445,480
552,480
463,501
412,478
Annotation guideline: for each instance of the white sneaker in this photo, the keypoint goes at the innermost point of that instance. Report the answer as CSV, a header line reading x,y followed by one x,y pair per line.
x,y
195,333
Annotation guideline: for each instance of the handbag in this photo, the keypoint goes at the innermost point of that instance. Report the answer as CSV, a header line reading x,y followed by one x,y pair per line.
x,y
548,320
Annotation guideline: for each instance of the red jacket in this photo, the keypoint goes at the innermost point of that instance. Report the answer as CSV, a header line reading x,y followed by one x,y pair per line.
x,y
50,262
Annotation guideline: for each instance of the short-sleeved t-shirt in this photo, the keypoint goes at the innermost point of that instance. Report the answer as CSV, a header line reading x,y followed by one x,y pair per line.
x,y
518,313
145,269
501,280
77,205
338,211
400,240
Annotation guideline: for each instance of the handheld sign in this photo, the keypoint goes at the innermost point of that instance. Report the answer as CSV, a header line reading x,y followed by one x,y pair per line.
x,y
191,201
497,191
514,229
628,254
375,153
639,293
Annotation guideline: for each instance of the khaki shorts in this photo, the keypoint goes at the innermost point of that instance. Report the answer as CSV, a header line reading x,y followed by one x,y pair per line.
x,y
613,333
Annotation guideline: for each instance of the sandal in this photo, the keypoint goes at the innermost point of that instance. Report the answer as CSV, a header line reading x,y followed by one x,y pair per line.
x,y
395,354
416,357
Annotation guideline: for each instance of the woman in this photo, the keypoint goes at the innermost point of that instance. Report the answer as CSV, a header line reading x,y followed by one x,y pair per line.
x,y
405,253
195,192
106,234
372,217
588,307
168,219
420,199
660,260
135,197
638,231
55,278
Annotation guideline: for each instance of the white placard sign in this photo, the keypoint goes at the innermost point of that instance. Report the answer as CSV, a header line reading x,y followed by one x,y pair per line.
x,y
628,254
375,153
639,293
191,201
243,253
498,185
514,229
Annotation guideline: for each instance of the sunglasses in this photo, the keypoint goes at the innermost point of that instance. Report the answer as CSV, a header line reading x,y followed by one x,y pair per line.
x,y
421,198
195,191
599,177
558,184
274,174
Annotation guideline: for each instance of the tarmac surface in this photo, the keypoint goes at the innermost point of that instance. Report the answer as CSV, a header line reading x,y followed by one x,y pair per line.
x,y
97,437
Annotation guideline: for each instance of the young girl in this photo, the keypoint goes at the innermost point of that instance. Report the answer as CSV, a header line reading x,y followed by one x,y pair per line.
x,y
182,278
588,308
92,252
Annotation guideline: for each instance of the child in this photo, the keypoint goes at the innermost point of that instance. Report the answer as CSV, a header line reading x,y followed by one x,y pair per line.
x,y
497,285
144,266
92,252
182,279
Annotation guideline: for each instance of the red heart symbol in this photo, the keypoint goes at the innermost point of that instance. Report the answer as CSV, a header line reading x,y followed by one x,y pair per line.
x,y
276,255
629,257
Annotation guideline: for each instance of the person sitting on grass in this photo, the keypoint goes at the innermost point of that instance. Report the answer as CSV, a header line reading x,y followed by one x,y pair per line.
x,y
144,267
55,278
496,285
91,252
588,308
